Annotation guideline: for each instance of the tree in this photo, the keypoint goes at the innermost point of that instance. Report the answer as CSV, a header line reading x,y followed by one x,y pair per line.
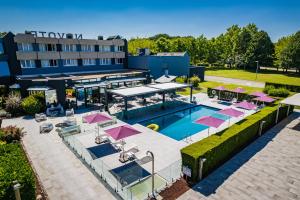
x,y
163,45
293,52
280,52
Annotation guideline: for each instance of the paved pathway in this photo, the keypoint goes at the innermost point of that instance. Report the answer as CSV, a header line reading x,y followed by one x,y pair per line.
x,y
269,168
61,172
235,81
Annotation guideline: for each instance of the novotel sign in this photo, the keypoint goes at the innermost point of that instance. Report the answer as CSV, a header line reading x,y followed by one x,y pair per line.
x,y
55,35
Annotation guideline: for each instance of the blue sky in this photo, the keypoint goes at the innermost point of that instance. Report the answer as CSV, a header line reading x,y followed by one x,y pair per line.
x,y
139,18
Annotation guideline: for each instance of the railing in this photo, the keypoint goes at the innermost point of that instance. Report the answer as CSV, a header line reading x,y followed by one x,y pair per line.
x,y
137,190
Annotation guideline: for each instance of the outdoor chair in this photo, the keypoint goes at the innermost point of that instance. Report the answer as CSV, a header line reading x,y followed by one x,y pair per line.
x,y
70,112
46,127
69,130
40,117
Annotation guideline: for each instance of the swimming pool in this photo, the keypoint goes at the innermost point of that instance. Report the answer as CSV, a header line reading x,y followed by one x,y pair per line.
x,y
181,124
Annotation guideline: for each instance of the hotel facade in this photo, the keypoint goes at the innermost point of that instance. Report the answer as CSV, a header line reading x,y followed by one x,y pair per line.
x,y
59,63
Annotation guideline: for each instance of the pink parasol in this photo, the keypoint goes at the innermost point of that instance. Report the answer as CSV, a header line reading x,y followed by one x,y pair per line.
x,y
210,121
246,105
258,94
239,90
221,88
265,99
95,118
121,132
231,112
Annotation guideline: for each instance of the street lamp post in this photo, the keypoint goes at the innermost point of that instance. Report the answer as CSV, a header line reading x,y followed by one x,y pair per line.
x,y
152,175
256,69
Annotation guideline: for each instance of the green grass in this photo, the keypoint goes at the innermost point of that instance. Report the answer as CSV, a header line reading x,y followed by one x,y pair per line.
x,y
210,84
263,76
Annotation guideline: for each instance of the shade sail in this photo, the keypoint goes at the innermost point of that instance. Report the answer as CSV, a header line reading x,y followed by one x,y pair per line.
x,y
210,121
258,94
231,112
246,105
221,88
239,90
265,99
293,100
95,118
121,132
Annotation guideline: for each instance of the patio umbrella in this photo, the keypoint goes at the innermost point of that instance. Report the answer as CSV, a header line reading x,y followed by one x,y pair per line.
x,y
258,94
238,90
246,105
95,118
265,99
210,122
220,88
231,112
121,132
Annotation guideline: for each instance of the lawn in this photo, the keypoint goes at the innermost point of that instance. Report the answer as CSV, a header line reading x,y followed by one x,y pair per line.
x,y
210,84
263,76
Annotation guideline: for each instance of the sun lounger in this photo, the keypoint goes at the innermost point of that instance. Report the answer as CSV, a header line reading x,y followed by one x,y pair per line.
x,y
107,122
46,127
40,117
119,145
102,139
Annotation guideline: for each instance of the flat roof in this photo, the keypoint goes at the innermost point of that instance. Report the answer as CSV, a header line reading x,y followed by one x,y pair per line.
x,y
169,86
147,89
134,91
39,88
292,100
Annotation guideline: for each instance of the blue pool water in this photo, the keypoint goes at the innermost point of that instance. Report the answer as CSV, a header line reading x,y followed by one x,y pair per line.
x,y
181,124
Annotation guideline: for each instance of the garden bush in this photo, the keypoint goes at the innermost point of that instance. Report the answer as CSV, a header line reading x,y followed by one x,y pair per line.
x,y
11,133
181,79
292,88
13,104
31,105
220,147
195,80
14,166
267,88
278,92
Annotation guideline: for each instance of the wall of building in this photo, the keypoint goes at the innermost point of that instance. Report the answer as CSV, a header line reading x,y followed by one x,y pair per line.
x,y
176,65
198,71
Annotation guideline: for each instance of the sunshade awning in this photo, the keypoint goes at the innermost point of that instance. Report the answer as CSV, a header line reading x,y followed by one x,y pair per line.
x,y
39,88
168,86
210,121
121,132
293,100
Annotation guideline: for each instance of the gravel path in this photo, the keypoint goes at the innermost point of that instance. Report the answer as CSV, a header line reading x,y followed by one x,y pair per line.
x,y
235,81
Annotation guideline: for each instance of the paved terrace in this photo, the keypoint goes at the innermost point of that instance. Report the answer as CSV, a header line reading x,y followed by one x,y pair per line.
x,y
267,169
63,175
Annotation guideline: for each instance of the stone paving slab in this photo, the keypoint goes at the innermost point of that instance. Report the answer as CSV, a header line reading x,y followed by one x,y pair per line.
x,y
62,174
269,168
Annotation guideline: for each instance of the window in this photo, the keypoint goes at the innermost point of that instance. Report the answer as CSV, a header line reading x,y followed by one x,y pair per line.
x,y
119,48
104,48
69,47
47,47
1,48
27,63
105,61
70,62
25,47
49,63
87,62
119,60
87,48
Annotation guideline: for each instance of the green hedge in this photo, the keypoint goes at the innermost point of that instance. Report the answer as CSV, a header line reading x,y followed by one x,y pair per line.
x,y
220,147
292,88
14,166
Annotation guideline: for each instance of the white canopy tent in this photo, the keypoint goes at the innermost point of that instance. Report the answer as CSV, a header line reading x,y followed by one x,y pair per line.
x,y
290,101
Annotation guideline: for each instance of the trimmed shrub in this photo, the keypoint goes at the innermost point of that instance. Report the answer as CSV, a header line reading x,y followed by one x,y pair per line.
x,y
14,166
267,88
181,79
31,105
13,104
220,147
195,80
280,92
292,88
11,133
